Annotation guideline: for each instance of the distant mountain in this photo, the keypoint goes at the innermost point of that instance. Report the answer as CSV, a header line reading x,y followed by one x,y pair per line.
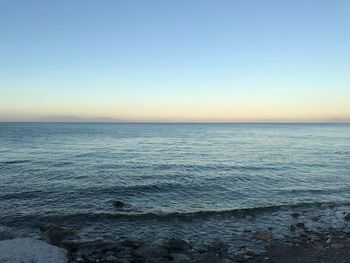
x,y
72,118
76,119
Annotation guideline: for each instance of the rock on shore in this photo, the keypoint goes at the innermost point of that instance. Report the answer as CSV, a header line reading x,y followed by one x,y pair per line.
x,y
6,233
29,250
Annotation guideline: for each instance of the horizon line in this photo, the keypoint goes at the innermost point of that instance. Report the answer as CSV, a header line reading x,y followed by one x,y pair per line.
x,y
182,122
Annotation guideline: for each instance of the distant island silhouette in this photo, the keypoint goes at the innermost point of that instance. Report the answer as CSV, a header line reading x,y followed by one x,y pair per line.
x,y
73,118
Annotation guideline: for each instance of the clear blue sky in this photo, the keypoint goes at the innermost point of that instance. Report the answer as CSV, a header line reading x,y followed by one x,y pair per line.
x,y
175,60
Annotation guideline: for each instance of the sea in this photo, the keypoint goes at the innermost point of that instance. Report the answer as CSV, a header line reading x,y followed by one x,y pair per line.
x,y
196,181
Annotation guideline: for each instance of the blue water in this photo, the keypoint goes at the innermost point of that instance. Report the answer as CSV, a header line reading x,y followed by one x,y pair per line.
x,y
173,177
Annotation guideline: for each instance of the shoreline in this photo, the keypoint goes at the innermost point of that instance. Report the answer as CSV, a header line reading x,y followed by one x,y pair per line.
x,y
328,246
307,242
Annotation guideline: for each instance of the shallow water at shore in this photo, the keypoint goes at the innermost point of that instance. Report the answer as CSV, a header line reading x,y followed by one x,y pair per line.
x,y
197,181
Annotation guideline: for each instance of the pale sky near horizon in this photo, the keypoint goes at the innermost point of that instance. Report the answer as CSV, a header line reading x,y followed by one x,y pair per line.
x,y
183,60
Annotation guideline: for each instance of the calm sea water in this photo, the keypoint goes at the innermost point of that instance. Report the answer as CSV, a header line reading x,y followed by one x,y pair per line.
x,y
184,179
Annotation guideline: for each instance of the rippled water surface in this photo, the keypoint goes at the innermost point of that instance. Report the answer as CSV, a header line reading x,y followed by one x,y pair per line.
x,y
171,176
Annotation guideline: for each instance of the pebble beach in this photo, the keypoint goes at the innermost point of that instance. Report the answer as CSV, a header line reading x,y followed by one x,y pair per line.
x,y
305,243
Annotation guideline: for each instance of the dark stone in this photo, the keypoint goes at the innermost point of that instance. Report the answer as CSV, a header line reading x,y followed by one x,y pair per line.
x,y
138,260
111,258
176,244
295,215
347,216
251,253
209,258
262,235
118,203
327,205
180,258
131,243
147,252
6,233
300,225
292,227
70,245
124,256
338,246
268,245
218,247
56,234
158,260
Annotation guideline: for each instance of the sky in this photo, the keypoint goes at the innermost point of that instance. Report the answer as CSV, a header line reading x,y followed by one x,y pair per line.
x,y
183,60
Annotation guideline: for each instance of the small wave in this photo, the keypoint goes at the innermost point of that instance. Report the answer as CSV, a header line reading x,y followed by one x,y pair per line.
x,y
119,190
62,164
15,162
78,218
215,167
22,195
189,167
133,189
314,191
153,187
